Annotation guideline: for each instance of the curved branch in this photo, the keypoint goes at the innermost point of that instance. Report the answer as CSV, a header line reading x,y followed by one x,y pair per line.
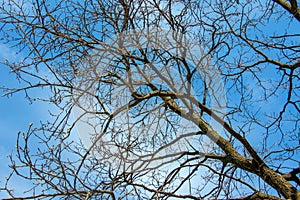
x,y
291,8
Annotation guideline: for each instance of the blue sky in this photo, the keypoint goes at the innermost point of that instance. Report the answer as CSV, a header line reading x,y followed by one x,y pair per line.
x,y
16,113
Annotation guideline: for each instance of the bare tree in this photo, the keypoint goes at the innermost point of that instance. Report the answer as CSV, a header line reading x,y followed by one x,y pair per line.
x,y
171,99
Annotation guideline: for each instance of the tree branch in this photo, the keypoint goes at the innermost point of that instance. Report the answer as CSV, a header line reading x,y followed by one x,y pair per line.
x,y
291,8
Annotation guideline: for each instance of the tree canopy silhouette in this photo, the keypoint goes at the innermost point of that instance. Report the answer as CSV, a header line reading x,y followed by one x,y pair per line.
x,y
157,99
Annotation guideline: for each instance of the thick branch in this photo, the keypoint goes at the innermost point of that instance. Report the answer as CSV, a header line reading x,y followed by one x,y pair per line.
x,y
261,169
291,8
259,195
292,176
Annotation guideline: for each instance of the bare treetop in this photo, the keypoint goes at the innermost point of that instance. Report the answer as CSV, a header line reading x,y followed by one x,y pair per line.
x,y
157,99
